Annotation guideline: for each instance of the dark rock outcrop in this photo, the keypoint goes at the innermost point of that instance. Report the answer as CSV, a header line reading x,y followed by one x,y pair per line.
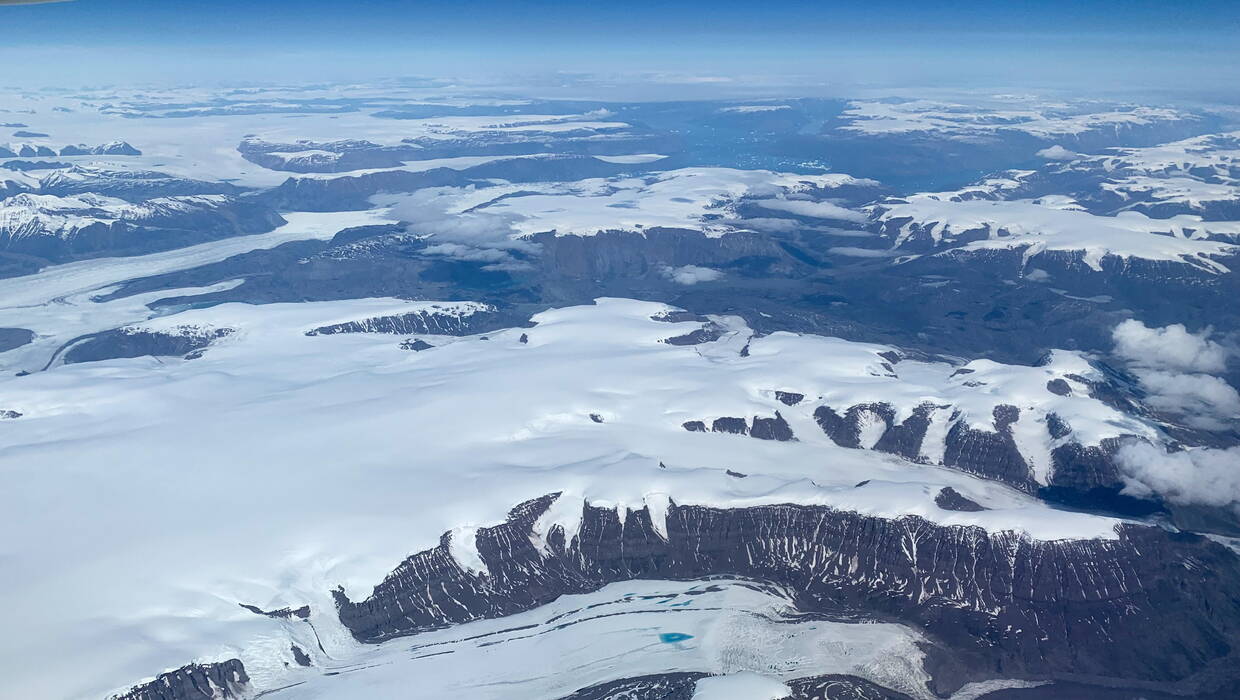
x,y
122,342
996,604
736,426
300,656
420,322
660,686
708,333
11,338
845,430
763,428
905,438
1059,386
993,455
284,613
60,229
840,687
949,498
789,398
224,680
115,148
771,428
682,685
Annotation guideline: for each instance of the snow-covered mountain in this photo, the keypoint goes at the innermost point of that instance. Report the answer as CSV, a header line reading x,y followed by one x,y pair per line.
x,y
1056,227
32,150
434,389
59,228
130,185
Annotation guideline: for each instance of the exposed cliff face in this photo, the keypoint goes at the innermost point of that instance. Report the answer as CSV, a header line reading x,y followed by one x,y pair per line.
x,y
681,686
130,342
59,229
838,687
993,454
663,686
448,322
999,604
214,681
762,428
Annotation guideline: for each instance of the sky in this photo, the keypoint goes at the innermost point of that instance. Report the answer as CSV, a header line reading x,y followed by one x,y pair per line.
x,y
1181,44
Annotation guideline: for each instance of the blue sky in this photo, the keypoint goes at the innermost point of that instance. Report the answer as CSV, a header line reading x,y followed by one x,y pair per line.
x,y
1154,44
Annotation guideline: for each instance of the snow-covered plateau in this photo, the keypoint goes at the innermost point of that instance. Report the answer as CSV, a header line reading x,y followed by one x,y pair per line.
x,y
443,388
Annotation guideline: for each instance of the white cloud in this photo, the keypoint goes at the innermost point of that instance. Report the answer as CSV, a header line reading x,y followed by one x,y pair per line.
x,y
691,274
1171,347
816,210
1057,152
482,236
1176,368
1194,476
1205,401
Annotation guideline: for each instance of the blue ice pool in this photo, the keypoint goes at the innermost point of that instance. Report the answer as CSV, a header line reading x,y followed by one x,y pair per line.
x,y
673,637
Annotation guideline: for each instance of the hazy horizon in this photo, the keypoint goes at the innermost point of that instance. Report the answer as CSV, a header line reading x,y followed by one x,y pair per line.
x,y
821,49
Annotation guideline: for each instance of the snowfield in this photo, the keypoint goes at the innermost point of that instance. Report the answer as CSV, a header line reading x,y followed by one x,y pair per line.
x,y
280,465
281,480
699,199
719,627
964,122
1057,224
58,303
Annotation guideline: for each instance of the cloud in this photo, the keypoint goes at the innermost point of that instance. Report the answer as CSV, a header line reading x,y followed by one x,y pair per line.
x,y
471,236
1205,401
1200,476
690,274
1175,367
1057,152
815,210
1171,347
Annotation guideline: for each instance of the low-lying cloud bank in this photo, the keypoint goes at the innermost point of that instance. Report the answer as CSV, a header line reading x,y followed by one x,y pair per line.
x,y
1198,476
691,274
1177,368
1170,347
480,236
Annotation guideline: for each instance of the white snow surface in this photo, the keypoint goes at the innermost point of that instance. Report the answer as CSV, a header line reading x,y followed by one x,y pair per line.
x,y
1211,155
418,166
751,109
730,629
634,159
702,199
279,465
745,685
988,119
1058,224
1192,172
205,147
27,215
59,302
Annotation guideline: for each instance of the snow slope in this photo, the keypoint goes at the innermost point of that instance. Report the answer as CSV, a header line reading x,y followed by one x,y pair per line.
x,y
323,460
58,303
718,627
1055,224
702,199
990,118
